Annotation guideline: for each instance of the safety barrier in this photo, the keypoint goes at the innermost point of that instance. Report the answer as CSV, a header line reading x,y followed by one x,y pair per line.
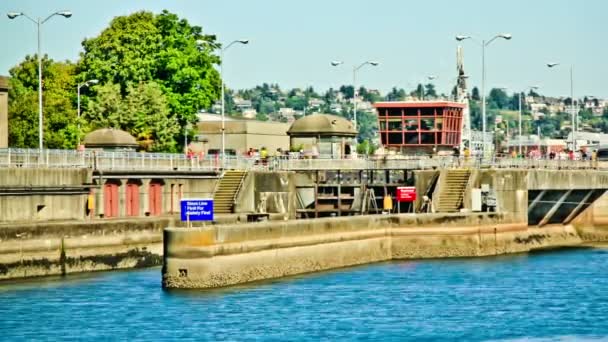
x,y
142,161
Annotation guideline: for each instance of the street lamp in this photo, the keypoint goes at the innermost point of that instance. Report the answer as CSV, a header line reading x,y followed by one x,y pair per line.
x,y
238,41
519,117
484,44
80,85
355,69
39,22
572,109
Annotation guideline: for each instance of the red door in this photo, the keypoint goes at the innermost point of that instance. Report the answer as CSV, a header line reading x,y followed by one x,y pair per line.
x,y
110,196
155,199
132,201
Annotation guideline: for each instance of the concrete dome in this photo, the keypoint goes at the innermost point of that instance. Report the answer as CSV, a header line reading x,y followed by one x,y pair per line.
x,y
110,138
322,124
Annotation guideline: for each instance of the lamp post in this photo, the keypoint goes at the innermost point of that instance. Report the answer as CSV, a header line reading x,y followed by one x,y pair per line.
x,y
80,85
239,41
39,22
484,44
519,118
355,69
572,109
222,51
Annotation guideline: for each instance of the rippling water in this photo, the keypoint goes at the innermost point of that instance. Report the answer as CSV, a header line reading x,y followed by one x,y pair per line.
x,y
541,297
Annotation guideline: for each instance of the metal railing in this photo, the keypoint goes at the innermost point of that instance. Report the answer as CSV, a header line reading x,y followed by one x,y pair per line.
x,y
104,160
142,161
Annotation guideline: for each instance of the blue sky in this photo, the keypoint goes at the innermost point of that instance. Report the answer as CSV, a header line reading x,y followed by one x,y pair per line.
x,y
293,41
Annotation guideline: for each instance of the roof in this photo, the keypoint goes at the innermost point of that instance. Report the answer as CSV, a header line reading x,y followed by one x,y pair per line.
x,y
4,83
418,104
243,127
213,117
109,137
322,124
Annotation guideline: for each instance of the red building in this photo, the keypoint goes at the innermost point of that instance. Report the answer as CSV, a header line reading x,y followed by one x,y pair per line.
x,y
419,126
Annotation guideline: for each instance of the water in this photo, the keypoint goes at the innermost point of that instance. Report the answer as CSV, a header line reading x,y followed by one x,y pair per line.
x,y
547,296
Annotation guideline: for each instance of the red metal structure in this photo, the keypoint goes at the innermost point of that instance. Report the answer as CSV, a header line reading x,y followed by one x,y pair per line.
x,y
420,126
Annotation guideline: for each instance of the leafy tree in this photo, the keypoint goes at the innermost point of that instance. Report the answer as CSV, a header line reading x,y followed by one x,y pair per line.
x,y
59,114
296,102
367,124
396,94
144,47
348,91
498,98
266,107
475,113
366,147
475,94
430,91
419,92
144,112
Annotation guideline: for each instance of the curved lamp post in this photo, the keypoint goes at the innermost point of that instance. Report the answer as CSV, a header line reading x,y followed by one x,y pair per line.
x,y
484,44
355,69
573,111
238,41
39,22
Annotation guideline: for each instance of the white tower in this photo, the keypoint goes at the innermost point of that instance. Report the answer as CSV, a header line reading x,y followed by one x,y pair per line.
x,y
462,97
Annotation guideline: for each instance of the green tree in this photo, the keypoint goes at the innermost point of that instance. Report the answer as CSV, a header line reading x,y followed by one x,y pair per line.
x,y
475,94
429,90
144,47
348,91
59,115
498,98
396,94
144,112
367,124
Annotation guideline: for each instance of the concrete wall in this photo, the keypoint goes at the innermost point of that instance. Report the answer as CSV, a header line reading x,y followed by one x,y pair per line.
x,y
567,179
227,255
268,192
43,194
30,250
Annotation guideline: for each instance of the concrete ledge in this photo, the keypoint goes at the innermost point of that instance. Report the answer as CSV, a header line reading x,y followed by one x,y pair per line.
x,y
234,254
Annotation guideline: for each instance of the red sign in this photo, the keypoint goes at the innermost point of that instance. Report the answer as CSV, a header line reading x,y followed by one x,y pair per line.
x,y
406,194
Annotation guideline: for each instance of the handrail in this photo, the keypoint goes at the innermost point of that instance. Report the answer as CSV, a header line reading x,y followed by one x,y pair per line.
x,y
138,161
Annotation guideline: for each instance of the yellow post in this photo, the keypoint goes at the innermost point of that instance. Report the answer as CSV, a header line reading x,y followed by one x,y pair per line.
x,y
388,203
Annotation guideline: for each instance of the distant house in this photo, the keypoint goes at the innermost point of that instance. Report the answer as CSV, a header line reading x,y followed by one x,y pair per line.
x,y
241,104
315,103
537,107
335,108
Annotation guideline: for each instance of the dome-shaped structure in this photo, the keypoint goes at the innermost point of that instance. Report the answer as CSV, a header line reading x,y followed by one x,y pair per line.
x,y
322,125
110,138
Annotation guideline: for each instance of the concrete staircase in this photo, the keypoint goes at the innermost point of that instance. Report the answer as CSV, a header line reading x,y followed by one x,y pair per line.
x,y
452,185
226,191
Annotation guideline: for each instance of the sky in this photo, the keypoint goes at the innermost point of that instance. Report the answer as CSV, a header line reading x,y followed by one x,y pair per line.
x,y
292,42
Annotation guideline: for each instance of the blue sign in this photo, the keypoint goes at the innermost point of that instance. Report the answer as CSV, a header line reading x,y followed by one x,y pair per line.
x,y
195,209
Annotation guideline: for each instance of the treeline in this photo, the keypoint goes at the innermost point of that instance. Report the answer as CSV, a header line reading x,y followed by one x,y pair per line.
x,y
153,76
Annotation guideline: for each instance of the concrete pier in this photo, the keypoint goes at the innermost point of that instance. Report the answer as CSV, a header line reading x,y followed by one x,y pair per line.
x,y
233,254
